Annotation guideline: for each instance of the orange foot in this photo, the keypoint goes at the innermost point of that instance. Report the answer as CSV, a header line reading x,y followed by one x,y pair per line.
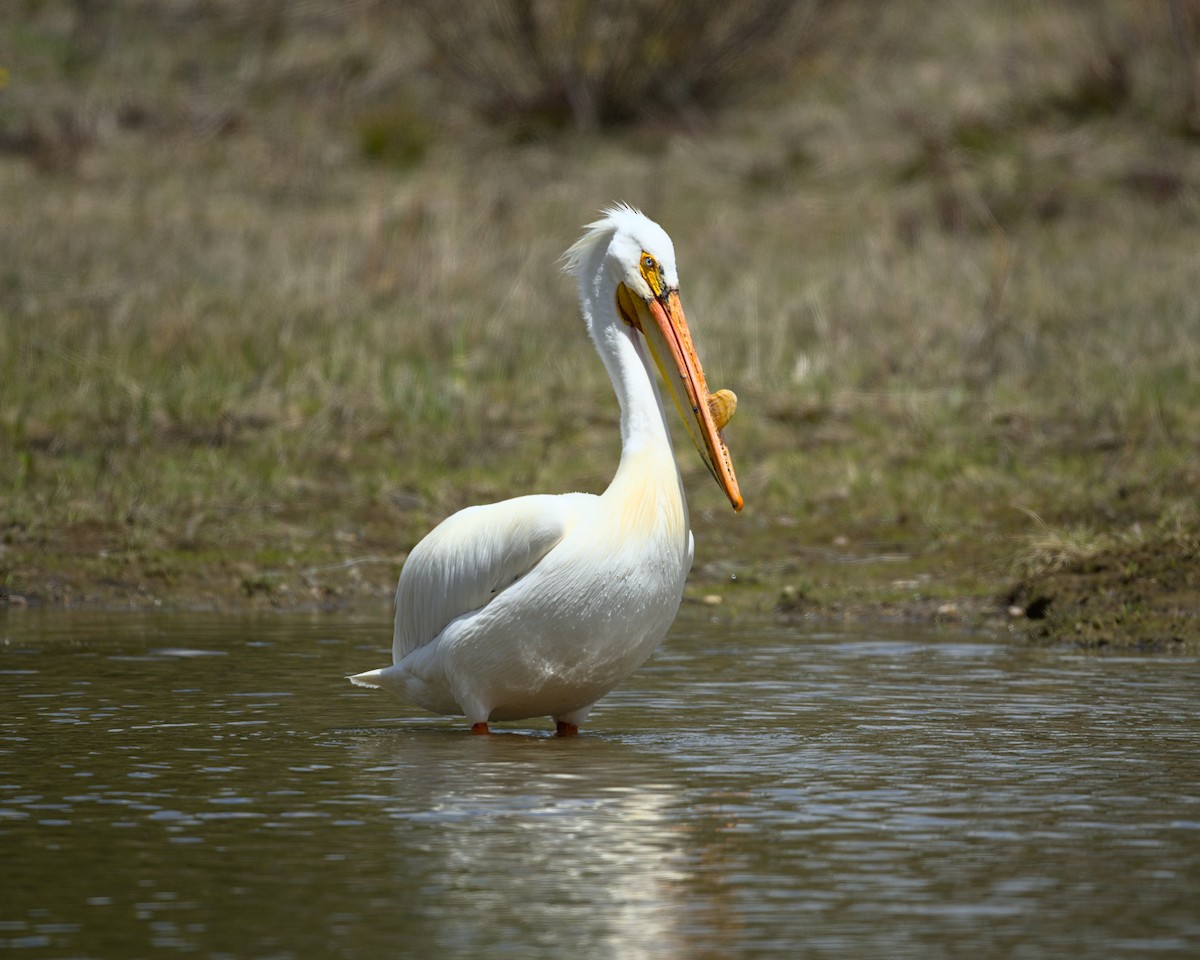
x,y
481,729
564,729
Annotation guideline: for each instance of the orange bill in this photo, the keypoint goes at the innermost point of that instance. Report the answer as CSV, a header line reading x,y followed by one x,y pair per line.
x,y
665,328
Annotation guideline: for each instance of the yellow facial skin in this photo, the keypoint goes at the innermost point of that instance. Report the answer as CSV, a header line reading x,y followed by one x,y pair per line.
x,y
651,271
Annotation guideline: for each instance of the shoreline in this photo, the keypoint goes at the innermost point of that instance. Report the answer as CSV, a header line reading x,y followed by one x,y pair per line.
x,y
1138,599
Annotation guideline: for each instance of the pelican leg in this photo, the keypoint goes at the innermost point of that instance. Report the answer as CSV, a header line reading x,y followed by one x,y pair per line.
x,y
481,729
564,729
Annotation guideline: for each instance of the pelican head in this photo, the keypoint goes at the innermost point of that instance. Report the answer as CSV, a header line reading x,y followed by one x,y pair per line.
x,y
629,260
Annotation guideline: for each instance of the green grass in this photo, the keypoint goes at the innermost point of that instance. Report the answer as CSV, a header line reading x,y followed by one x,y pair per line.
x,y
242,348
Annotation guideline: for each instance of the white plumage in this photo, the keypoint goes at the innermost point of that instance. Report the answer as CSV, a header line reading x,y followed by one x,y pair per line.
x,y
538,606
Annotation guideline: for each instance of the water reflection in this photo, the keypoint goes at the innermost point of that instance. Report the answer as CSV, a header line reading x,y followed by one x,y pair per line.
x,y
521,839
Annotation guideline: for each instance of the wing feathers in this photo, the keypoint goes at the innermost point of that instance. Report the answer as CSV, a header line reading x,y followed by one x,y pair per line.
x,y
468,559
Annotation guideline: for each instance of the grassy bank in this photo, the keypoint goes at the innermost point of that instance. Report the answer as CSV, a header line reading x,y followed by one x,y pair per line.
x,y
273,302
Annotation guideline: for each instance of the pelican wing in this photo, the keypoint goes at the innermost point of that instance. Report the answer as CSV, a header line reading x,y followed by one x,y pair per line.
x,y
469,558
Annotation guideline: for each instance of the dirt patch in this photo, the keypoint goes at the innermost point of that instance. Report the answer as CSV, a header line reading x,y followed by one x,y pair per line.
x,y
1144,597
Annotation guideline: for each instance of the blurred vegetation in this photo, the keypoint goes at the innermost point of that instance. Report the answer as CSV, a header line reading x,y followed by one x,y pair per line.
x,y
595,65
279,289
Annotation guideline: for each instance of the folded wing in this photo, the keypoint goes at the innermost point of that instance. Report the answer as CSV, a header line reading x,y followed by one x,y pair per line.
x,y
469,559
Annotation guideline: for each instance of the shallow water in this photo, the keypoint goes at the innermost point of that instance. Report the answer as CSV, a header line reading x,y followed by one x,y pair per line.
x,y
210,786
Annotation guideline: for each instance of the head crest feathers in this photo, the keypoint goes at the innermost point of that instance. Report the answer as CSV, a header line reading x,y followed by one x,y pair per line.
x,y
598,233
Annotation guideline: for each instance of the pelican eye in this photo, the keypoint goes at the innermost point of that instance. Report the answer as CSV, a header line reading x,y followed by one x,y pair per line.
x,y
652,274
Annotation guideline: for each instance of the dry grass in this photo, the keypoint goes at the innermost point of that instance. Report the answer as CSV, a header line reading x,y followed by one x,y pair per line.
x,y
948,288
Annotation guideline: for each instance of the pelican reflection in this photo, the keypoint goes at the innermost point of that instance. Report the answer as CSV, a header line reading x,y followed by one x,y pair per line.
x,y
534,840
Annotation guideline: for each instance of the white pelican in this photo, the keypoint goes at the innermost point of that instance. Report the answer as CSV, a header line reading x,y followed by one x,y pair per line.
x,y
540,605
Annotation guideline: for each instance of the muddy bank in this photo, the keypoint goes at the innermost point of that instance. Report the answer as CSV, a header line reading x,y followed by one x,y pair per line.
x,y
1145,597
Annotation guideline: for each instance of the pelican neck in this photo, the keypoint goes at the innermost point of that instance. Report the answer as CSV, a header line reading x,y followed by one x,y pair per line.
x,y
646,449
